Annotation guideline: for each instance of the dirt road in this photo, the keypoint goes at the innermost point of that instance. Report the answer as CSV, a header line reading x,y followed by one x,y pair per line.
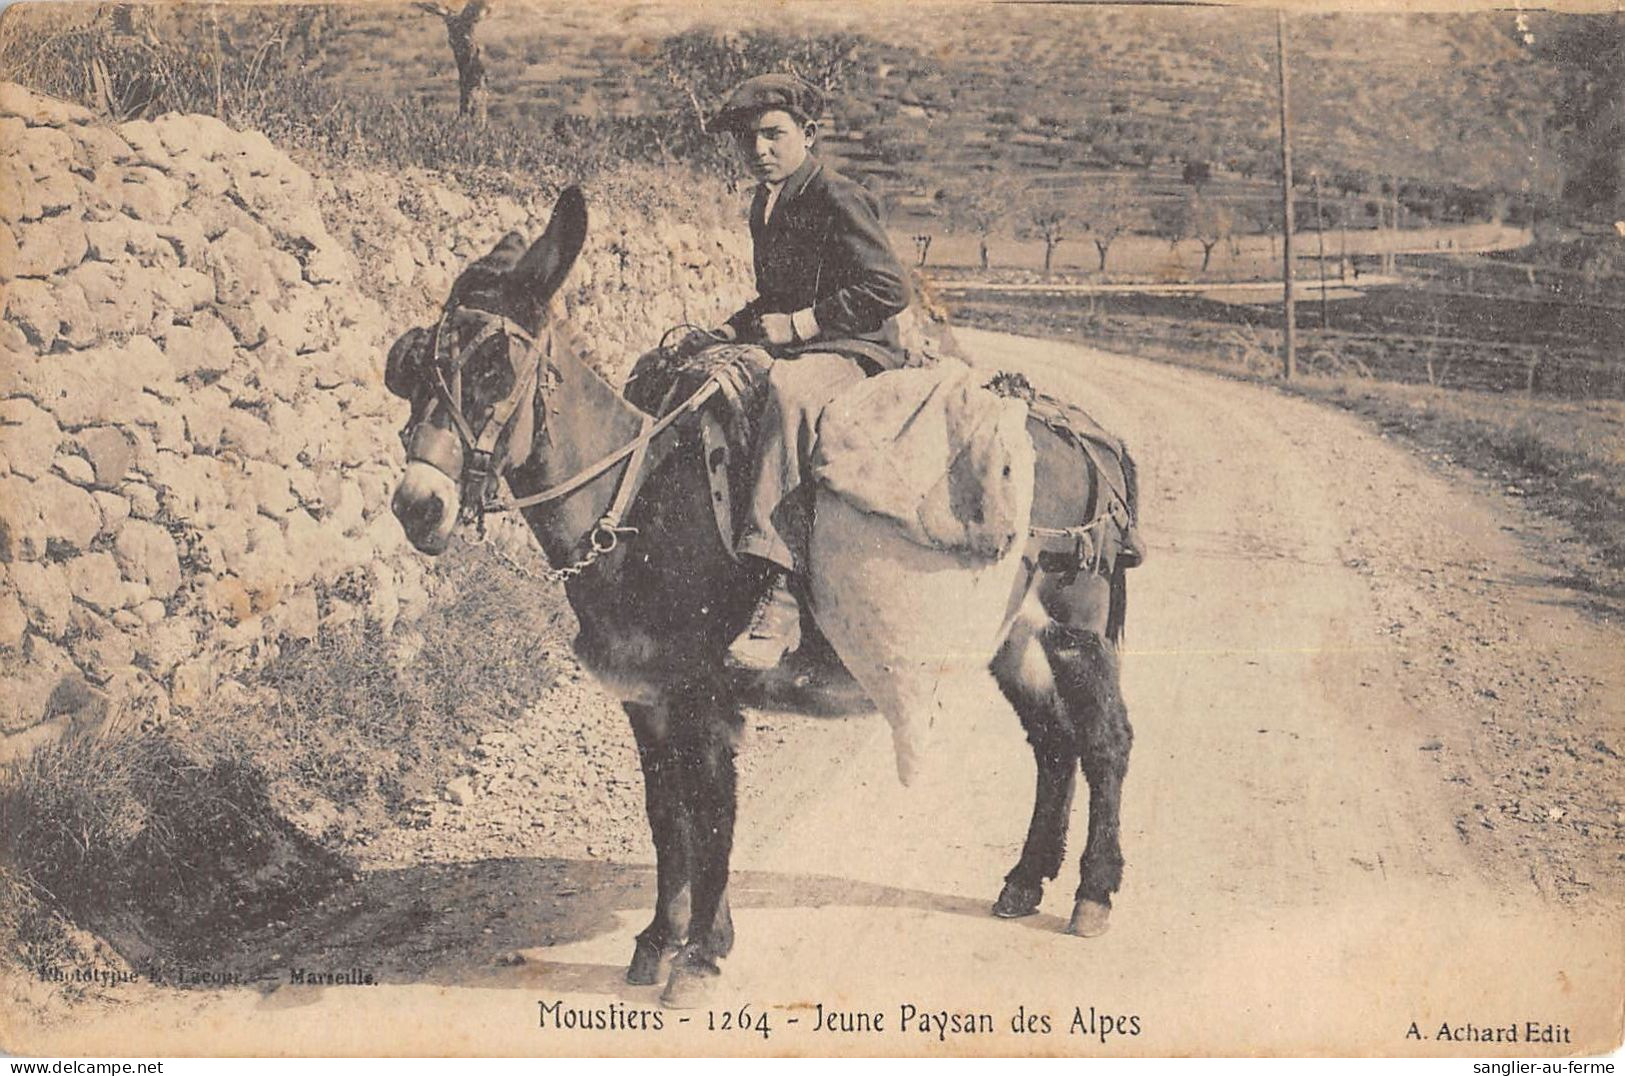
x,y
1375,783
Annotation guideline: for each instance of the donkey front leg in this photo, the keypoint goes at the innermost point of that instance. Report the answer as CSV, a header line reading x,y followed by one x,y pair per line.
x,y
706,735
670,829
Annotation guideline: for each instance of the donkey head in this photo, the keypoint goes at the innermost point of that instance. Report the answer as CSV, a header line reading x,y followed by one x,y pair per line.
x,y
473,378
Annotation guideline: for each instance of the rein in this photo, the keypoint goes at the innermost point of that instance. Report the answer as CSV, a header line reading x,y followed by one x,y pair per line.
x,y
482,467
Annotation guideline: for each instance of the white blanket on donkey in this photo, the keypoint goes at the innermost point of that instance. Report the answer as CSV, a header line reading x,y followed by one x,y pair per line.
x,y
931,450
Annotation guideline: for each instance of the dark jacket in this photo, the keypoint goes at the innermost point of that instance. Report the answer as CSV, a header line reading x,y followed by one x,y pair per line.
x,y
825,248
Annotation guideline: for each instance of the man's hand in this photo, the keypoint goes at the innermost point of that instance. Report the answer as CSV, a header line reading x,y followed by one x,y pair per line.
x,y
698,340
776,329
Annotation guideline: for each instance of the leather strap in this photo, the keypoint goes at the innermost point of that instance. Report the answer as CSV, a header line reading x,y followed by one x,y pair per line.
x,y
714,443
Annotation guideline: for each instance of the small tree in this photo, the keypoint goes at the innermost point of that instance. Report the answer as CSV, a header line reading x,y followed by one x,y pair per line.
x,y
1049,219
460,25
979,206
1105,212
1211,223
1171,220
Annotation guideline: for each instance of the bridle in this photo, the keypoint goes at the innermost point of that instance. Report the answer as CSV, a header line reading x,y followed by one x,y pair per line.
x,y
479,480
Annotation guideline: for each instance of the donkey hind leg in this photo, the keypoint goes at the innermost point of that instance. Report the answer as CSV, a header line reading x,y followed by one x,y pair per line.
x,y
706,735
1086,677
670,830
1023,672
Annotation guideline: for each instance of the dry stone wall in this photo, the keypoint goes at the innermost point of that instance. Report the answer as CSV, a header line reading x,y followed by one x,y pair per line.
x,y
196,448
196,451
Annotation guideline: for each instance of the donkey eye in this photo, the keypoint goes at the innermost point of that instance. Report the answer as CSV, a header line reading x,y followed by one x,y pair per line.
x,y
489,374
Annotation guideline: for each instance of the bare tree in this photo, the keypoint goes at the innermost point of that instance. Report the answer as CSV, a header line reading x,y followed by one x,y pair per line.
x,y
1049,219
980,206
1104,213
1211,223
460,25
1172,220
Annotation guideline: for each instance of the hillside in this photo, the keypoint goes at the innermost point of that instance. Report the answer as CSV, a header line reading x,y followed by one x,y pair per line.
x,y
1442,99
1447,103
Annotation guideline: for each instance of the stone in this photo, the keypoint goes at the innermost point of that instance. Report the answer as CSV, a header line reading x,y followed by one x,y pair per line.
x,y
146,554
193,351
299,616
185,234
79,326
246,433
99,647
51,246
273,496
75,469
13,621
239,266
227,599
190,684
151,611
170,642
327,264
205,136
43,149
29,306
95,580
100,148
98,281
27,700
45,596
290,433
204,413
243,319
142,499
147,144
107,240
143,702
113,507
384,602
22,531
29,436
109,451
69,513
9,252
177,482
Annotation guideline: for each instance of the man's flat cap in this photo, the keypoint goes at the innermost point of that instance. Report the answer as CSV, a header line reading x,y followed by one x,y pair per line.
x,y
765,93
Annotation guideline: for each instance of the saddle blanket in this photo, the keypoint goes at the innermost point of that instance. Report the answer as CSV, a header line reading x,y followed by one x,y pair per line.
x,y
932,450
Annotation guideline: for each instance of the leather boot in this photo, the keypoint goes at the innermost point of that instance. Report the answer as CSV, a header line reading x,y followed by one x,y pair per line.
x,y
774,629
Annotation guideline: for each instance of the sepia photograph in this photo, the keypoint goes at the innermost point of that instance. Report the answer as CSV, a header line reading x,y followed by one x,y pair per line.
x,y
966,528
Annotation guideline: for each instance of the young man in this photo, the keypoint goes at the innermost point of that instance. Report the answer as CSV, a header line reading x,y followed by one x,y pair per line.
x,y
829,288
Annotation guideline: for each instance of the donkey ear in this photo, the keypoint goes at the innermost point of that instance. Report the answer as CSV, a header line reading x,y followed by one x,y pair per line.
x,y
544,267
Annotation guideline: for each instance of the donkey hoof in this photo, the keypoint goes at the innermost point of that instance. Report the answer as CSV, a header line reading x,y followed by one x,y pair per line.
x,y
1089,919
1017,900
645,967
691,983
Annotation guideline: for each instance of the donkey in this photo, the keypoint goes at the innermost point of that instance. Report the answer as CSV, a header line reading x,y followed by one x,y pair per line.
x,y
622,509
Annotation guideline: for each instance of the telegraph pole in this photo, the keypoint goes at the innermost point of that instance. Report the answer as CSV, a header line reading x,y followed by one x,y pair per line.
x,y
1320,240
1288,307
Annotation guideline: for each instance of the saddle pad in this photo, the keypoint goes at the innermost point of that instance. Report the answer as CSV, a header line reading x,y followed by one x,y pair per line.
x,y
934,452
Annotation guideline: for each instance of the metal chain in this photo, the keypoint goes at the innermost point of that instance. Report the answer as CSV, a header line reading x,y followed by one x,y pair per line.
x,y
596,549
